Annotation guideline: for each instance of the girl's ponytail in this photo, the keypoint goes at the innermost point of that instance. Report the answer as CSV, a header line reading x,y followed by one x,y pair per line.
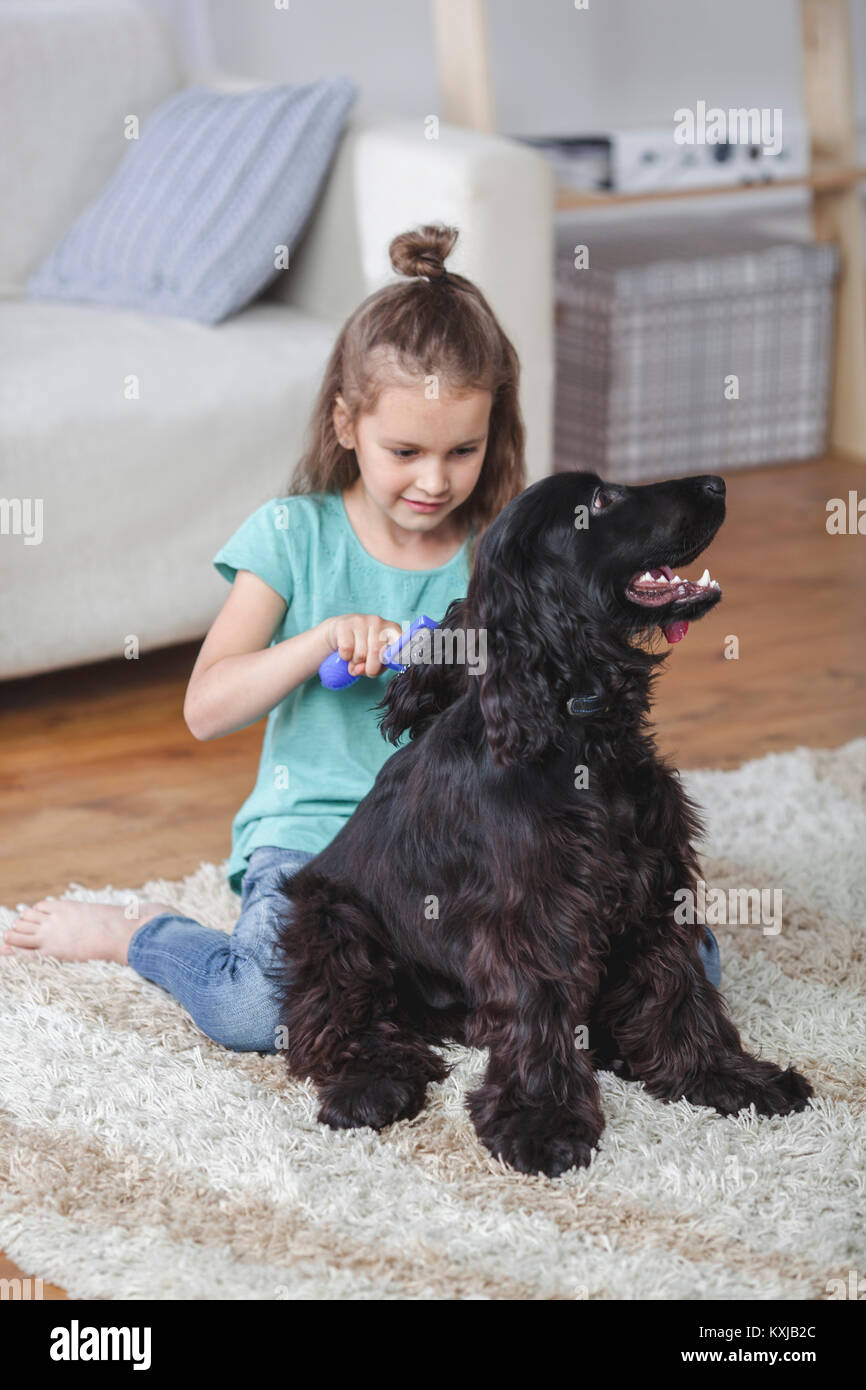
x,y
423,252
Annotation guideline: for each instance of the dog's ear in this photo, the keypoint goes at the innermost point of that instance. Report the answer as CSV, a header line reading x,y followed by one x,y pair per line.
x,y
517,599
417,695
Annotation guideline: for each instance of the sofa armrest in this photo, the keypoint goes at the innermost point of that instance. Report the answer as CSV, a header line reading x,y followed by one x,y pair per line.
x,y
386,178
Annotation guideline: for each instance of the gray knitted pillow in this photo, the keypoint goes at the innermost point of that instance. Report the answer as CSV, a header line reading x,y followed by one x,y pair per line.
x,y
190,221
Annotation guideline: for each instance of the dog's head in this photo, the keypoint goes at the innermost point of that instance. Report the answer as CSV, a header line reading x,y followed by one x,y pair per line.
x,y
627,545
571,582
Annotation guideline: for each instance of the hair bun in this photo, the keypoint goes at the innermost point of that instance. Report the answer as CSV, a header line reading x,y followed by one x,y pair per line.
x,y
423,251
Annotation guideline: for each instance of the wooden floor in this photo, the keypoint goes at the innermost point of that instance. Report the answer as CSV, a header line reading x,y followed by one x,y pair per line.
x,y
102,782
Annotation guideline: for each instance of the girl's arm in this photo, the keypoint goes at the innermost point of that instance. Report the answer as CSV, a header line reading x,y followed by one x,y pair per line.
x,y
237,677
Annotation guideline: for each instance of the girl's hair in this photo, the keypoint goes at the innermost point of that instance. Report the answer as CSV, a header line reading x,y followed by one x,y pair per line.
x,y
431,322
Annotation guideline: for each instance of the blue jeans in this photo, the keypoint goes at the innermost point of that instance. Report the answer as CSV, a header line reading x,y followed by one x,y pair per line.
x,y
711,960
223,981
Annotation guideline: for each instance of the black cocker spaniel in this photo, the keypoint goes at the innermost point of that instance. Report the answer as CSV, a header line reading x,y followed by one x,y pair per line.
x,y
509,880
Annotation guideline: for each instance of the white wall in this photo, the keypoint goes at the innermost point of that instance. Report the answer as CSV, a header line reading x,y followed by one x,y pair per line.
x,y
555,69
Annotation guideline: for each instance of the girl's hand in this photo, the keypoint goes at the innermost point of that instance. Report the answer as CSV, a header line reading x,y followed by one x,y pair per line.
x,y
361,638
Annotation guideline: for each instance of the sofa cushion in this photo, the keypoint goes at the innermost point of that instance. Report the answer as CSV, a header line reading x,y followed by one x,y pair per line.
x,y
190,223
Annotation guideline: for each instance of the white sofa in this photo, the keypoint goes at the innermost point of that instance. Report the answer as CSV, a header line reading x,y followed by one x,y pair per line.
x,y
137,494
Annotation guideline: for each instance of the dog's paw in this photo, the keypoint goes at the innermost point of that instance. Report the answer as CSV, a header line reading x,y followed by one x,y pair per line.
x,y
771,1090
531,1142
530,1152
373,1101
535,1138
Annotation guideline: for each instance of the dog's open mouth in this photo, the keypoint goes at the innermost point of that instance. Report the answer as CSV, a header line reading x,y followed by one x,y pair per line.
x,y
658,587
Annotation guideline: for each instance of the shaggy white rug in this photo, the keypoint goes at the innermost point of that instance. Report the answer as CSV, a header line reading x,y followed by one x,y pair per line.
x,y
140,1160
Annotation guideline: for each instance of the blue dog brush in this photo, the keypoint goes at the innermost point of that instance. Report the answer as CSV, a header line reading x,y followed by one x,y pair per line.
x,y
334,671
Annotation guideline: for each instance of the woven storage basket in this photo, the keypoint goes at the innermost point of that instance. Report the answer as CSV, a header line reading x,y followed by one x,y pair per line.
x,y
648,333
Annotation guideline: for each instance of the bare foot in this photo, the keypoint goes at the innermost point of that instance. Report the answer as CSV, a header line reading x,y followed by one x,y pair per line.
x,y
77,931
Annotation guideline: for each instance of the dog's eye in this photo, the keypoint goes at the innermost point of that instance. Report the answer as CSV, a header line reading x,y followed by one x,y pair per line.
x,y
603,497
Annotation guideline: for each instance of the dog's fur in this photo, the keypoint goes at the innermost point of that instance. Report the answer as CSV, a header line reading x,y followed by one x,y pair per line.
x,y
481,893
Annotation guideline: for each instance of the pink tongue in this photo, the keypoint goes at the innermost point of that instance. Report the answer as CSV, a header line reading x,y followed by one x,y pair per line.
x,y
675,632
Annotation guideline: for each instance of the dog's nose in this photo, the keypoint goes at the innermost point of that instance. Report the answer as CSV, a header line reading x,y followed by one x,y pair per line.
x,y
712,483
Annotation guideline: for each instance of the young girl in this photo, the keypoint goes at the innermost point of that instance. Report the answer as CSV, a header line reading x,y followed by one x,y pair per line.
x,y
416,445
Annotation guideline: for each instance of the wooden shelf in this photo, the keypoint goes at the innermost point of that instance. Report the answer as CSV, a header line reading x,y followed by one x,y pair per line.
x,y
820,180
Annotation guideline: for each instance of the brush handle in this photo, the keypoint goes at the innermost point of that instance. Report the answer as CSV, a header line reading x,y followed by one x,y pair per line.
x,y
334,671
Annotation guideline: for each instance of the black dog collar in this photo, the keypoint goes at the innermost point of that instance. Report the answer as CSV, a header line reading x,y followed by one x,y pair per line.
x,y
584,705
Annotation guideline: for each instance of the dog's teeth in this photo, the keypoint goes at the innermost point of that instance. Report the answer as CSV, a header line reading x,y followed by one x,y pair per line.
x,y
704,579
714,583
676,580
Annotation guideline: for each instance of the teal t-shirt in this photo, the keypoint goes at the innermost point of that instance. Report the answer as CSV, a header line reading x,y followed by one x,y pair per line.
x,y
322,748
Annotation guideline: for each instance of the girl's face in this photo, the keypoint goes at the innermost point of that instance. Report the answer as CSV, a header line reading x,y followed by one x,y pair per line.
x,y
414,450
